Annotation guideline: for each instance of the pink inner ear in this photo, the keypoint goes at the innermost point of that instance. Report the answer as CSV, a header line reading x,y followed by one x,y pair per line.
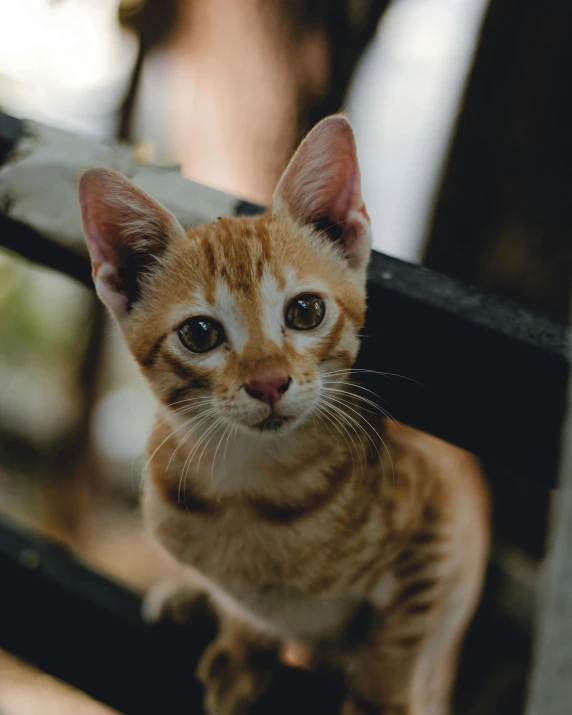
x,y
348,196
124,228
104,198
101,248
321,187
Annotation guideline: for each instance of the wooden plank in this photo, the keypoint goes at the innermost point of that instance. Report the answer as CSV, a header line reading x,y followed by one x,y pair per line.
x,y
76,625
551,684
38,182
480,372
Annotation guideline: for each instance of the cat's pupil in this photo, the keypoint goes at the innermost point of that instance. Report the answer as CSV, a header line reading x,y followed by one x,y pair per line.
x,y
201,334
305,312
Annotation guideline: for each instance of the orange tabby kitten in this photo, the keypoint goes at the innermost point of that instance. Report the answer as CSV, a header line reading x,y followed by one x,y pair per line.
x,y
304,521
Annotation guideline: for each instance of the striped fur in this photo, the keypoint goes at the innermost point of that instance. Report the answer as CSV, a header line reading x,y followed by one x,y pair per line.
x,y
364,540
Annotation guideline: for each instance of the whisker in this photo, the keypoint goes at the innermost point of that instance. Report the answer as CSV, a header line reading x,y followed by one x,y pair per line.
x,y
314,413
226,429
335,411
353,384
173,432
354,423
323,411
187,463
365,409
189,400
352,395
375,372
160,420
232,432
369,436
204,416
214,430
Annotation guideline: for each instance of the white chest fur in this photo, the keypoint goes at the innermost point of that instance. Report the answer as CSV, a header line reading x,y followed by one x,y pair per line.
x,y
253,566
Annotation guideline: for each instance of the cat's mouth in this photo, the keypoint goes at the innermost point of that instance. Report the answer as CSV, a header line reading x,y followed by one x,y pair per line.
x,y
272,423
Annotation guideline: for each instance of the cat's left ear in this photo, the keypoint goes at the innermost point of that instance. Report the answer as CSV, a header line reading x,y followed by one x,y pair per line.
x,y
321,187
126,232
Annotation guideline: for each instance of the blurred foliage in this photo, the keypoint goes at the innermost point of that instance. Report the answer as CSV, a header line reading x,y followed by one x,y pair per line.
x,y
40,315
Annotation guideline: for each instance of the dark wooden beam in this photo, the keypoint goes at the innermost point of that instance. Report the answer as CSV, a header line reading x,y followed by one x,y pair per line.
x,y
478,371
481,372
475,370
76,625
11,130
27,243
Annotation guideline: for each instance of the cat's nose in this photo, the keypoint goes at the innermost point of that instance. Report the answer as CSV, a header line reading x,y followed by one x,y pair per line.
x,y
268,388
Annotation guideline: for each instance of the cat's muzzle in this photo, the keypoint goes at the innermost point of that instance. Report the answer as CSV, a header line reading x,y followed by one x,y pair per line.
x,y
272,423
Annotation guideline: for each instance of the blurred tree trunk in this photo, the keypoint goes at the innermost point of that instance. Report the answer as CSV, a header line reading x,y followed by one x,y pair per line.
x,y
348,26
503,219
73,477
246,79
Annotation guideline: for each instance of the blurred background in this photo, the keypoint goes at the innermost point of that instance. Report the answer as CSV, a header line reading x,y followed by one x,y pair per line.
x,y
463,116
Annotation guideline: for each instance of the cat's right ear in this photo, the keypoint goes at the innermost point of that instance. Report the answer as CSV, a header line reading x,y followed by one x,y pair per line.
x,y
126,231
321,188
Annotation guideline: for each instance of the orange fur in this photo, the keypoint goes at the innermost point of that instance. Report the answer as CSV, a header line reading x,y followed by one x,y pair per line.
x,y
335,519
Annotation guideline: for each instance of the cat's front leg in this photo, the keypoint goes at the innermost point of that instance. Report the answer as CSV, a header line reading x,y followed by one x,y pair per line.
x,y
237,668
179,600
240,661
408,664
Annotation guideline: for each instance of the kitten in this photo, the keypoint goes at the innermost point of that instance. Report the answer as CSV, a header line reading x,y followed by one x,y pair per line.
x,y
303,515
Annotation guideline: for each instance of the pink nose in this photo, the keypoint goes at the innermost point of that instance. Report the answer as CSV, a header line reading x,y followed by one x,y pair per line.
x,y
268,388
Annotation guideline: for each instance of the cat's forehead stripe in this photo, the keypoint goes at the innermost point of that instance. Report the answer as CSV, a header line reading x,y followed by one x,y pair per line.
x,y
239,251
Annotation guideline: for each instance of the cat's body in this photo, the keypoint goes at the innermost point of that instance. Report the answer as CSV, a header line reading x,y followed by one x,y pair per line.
x,y
306,516
304,554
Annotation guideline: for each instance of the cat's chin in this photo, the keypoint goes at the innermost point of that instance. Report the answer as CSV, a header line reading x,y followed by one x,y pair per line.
x,y
272,426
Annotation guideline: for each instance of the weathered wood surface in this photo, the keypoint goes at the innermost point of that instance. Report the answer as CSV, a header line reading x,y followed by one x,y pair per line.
x,y
475,370
76,625
551,684
38,184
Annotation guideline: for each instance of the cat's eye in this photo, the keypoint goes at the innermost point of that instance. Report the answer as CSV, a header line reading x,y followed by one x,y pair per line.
x,y
201,334
305,312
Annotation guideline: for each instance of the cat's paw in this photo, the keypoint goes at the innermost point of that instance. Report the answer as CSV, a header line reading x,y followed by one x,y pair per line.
x,y
236,673
177,602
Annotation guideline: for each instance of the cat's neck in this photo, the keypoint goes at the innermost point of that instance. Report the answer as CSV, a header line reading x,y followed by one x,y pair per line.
x,y
226,462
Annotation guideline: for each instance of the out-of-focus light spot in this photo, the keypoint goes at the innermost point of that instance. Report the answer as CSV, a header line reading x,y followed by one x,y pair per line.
x,y
64,61
121,423
403,104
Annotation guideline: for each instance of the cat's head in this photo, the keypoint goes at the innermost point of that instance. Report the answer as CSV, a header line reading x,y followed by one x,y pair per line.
x,y
248,317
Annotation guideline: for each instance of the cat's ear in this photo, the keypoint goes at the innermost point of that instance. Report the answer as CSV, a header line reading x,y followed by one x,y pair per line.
x,y
321,187
126,231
